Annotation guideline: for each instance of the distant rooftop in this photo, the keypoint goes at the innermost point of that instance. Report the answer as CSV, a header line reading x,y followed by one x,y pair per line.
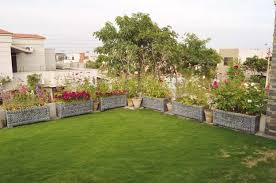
x,y
18,36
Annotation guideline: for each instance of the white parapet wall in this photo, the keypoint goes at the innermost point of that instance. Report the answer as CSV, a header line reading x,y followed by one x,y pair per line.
x,y
56,78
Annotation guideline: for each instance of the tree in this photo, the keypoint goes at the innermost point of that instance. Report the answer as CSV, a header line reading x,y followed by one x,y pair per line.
x,y
197,58
256,64
136,45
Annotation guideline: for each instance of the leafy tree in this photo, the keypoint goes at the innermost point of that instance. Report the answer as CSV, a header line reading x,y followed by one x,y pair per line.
x,y
136,45
256,64
197,58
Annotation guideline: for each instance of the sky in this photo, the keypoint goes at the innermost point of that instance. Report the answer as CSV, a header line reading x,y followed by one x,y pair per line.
x,y
69,24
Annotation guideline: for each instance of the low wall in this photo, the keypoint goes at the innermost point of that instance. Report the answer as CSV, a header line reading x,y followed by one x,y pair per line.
x,y
242,122
74,109
27,116
113,102
159,104
193,112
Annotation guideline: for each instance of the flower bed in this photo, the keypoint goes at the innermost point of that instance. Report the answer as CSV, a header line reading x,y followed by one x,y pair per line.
x,y
193,112
27,116
242,122
159,104
74,109
73,104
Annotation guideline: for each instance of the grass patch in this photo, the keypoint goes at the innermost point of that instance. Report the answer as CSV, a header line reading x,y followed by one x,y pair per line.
x,y
132,146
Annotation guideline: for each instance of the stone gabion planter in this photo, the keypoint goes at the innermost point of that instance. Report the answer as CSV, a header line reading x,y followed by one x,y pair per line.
x,y
113,102
193,112
74,109
242,122
159,104
27,116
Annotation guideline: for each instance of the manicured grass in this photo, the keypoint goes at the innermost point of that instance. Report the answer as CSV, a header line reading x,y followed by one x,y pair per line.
x,y
141,146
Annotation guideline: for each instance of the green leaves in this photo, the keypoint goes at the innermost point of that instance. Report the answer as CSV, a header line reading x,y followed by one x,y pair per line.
x,y
256,64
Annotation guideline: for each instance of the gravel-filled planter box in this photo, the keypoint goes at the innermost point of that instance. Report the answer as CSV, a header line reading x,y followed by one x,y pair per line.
x,y
242,122
113,102
159,104
193,112
27,116
74,109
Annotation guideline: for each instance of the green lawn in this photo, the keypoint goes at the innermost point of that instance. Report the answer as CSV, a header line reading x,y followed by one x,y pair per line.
x,y
141,146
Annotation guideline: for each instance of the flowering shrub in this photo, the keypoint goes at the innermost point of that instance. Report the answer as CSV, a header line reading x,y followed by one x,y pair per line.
x,y
193,92
112,93
235,72
24,99
68,96
239,97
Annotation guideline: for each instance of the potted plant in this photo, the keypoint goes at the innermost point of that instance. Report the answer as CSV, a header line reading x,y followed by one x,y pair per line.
x,y
238,103
192,98
25,106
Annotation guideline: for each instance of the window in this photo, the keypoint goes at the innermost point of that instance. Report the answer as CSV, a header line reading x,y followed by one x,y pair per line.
x,y
227,60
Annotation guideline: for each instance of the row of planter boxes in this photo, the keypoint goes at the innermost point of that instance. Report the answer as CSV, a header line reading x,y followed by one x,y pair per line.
x,y
246,123
242,122
38,114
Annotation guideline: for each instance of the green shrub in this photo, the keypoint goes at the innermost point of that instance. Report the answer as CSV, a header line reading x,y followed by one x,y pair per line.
x,y
33,80
152,87
194,91
129,85
88,88
259,79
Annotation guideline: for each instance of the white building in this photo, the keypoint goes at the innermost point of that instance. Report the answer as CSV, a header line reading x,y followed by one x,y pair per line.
x,y
24,53
232,54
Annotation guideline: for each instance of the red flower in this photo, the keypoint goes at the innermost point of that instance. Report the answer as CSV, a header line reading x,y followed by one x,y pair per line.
x,y
236,66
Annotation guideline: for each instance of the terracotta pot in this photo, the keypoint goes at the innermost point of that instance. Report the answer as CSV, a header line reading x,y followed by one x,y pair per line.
x,y
208,115
129,103
169,107
95,105
136,102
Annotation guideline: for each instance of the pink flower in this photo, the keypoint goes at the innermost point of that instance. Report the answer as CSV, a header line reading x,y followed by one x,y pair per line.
x,y
215,84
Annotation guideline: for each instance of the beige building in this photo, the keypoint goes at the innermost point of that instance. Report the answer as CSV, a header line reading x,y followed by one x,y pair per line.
x,y
230,55
24,53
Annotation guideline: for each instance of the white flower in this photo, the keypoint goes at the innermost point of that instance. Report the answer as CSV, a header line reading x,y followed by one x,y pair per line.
x,y
249,101
252,84
246,85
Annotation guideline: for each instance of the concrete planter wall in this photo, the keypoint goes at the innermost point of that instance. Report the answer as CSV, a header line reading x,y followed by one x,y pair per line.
x,y
74,109
193,112
27,116
242,122
113,102
159,104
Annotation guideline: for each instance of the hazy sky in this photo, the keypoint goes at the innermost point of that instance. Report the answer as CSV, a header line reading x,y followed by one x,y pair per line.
x,y
69,24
